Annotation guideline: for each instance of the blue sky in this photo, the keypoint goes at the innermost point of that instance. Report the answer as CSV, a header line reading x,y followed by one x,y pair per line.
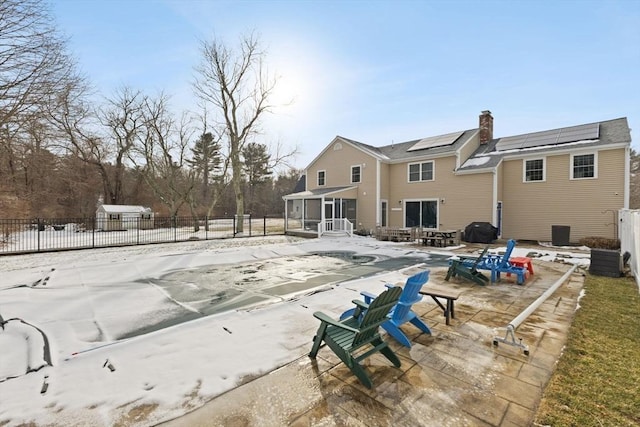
x,y
377,71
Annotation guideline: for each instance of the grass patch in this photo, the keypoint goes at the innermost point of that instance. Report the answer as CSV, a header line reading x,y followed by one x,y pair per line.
x,y
597,380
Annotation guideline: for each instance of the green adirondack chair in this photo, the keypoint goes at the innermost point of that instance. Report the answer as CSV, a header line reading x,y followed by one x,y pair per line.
x,y
468,268
347,336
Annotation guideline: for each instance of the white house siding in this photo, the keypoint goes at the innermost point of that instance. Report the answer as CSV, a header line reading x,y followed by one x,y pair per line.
x,y
585,205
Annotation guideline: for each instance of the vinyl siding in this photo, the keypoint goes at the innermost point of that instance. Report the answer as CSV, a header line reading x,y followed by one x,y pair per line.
x,y
384,190
500,172
469,148
585,205
467,198
337,164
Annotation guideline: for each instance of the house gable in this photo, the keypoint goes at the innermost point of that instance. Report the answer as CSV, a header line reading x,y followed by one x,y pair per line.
x,y
335,165
339,143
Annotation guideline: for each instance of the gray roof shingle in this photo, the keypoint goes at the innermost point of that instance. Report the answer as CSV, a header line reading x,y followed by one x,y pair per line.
x,y
400,151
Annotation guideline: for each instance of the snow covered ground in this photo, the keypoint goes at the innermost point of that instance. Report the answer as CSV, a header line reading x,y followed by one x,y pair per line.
x,y
138,335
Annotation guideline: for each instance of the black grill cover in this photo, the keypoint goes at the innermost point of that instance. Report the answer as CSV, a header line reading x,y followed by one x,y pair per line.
x,y
480,232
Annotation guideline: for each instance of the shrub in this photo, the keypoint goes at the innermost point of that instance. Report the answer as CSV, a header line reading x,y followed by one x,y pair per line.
x,y
600,243
362,232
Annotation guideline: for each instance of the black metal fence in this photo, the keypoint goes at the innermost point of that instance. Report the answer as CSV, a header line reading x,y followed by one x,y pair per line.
x,y
46,235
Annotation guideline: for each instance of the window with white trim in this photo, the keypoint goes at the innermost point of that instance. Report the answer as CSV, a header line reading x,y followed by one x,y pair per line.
x,y
421,171
355,174
321,178
583,166
534,170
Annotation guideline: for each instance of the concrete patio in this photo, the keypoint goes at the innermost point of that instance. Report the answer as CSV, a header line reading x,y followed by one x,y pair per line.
x,y
454,377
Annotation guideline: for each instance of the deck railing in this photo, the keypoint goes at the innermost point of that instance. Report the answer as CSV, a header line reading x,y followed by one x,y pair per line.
x,y
53,234
337,225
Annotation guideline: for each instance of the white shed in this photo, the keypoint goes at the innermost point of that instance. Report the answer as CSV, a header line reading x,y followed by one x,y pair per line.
x,y
123,217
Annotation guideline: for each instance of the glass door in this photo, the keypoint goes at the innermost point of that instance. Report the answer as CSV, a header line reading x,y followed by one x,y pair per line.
x,y
422,213
499,218
328,214
383,213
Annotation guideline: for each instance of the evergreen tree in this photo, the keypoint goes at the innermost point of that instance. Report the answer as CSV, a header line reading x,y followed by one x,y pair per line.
x,y
257,171
284,184
206,162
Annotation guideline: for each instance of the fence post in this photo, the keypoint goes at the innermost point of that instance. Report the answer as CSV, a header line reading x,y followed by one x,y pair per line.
x,y
138,231
174,222
264,225
39,226
93,231
249,223
234,225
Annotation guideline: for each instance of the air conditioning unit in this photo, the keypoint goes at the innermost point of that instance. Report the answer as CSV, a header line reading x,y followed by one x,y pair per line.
x,y
606,262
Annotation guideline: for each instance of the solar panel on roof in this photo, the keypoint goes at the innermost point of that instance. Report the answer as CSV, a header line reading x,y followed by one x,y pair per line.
x,y
436,141
579,133
510,143
550,137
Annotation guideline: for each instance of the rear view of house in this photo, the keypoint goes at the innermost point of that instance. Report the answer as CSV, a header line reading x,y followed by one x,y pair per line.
x,y
123,217
575,177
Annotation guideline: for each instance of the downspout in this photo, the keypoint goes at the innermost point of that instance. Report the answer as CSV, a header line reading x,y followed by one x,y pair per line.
x,y
304,213
494,215
286,215
322,217
378,196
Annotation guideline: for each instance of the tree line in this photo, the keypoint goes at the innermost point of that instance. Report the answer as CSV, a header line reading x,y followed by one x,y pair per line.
x,y
62,151
634,191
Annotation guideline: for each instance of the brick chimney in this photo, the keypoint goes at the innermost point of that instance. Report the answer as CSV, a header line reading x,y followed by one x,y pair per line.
x,y
486,127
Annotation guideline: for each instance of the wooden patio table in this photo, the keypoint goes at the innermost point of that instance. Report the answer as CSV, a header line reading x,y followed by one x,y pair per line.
x,y
450,295
439,237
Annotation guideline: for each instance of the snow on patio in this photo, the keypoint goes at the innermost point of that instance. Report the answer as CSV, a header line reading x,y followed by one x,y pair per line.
x,y
142,334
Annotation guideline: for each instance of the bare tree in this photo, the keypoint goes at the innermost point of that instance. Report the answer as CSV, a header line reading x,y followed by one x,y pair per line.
x,y
33,68
163,146
102,138
124,117
33,63
238,86
217,183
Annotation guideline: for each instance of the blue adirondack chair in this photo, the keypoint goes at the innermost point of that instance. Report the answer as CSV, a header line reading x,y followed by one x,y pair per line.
x,y
500,264
402,312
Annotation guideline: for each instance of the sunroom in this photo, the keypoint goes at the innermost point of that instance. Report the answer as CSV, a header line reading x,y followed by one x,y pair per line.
x,y
321,211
